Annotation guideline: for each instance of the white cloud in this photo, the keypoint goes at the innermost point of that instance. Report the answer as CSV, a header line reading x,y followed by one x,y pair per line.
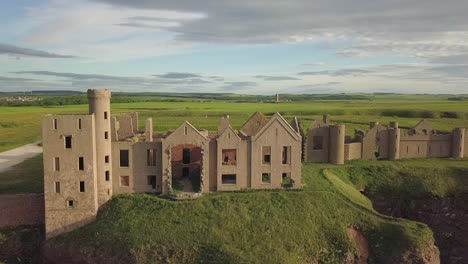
x,y
99,31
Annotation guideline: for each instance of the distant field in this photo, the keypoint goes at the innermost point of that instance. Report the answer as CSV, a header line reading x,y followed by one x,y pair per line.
x,y
21,125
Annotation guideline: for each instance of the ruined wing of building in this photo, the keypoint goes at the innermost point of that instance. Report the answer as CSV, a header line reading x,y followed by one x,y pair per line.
x,y
89,158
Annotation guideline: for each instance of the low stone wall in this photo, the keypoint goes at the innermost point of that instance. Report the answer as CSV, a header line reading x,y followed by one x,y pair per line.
x,y
353,151
21,209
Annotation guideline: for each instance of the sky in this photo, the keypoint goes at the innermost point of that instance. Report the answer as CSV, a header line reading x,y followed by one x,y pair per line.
x,y
243,46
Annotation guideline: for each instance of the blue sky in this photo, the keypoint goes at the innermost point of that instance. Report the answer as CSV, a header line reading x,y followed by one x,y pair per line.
x,y
255,47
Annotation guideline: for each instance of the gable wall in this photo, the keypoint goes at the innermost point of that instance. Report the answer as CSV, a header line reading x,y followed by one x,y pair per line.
x,y
178,137
276,136
229,140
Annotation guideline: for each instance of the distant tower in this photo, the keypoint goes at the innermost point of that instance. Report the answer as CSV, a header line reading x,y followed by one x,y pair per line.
x,y
337,142
393,141
277,98
99,105
458,143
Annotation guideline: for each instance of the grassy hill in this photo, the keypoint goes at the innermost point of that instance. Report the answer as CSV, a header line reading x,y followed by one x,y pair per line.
x,y
303,226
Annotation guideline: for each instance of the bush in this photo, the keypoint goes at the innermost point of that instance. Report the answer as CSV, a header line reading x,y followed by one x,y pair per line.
x,y
287,182
3,239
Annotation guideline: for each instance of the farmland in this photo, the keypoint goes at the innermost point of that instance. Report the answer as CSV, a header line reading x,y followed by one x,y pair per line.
x,y
20,125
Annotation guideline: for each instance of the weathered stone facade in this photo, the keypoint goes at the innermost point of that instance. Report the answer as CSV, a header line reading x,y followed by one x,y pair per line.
x,y
89,158
325,142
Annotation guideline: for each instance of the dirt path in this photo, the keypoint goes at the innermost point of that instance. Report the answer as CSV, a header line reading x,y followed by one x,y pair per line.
x,y
14,156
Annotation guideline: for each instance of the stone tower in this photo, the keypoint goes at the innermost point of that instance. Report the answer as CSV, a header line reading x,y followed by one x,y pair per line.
x,y
393,141
458,141
337,142
99,105
70,178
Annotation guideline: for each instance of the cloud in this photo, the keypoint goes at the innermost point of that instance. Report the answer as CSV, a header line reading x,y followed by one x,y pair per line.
x,y
319,88
80,81
452,70
452,59
312,64
342,72
354,54
12,79
77,76
236,86
301,20
178,75
276,78
15,50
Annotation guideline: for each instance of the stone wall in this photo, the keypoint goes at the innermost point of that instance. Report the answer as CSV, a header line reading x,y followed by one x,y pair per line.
x,y
353,151
21,209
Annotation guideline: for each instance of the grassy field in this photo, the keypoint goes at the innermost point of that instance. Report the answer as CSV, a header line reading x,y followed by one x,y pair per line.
x,y
280,226
21,125
25,177
409,179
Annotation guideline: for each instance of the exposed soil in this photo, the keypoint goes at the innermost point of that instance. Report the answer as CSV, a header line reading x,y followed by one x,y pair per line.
x,y
447,217
361,244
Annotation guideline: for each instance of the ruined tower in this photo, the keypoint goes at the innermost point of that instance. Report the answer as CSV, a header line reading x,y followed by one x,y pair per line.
x,y
337,142
458,141
393,141
99,106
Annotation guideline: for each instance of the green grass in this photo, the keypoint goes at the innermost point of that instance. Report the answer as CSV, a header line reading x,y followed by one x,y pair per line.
x,y
281,226
25,177
21,125
21,244
412,178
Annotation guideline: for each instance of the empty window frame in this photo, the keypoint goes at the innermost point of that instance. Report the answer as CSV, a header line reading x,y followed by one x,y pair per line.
x,y
55,124
71,203
286,180
68,142
107,176
266,177
266,154
317,142
57,187
82,186
152,181
124,160
106,135
105,115
151,157
185,171
106,159
186,156
228,178
124,181
229,156
79,123
286,155
81,163
57,164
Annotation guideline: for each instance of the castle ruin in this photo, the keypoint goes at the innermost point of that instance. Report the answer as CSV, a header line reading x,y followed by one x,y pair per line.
x,y
91,157
88,158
